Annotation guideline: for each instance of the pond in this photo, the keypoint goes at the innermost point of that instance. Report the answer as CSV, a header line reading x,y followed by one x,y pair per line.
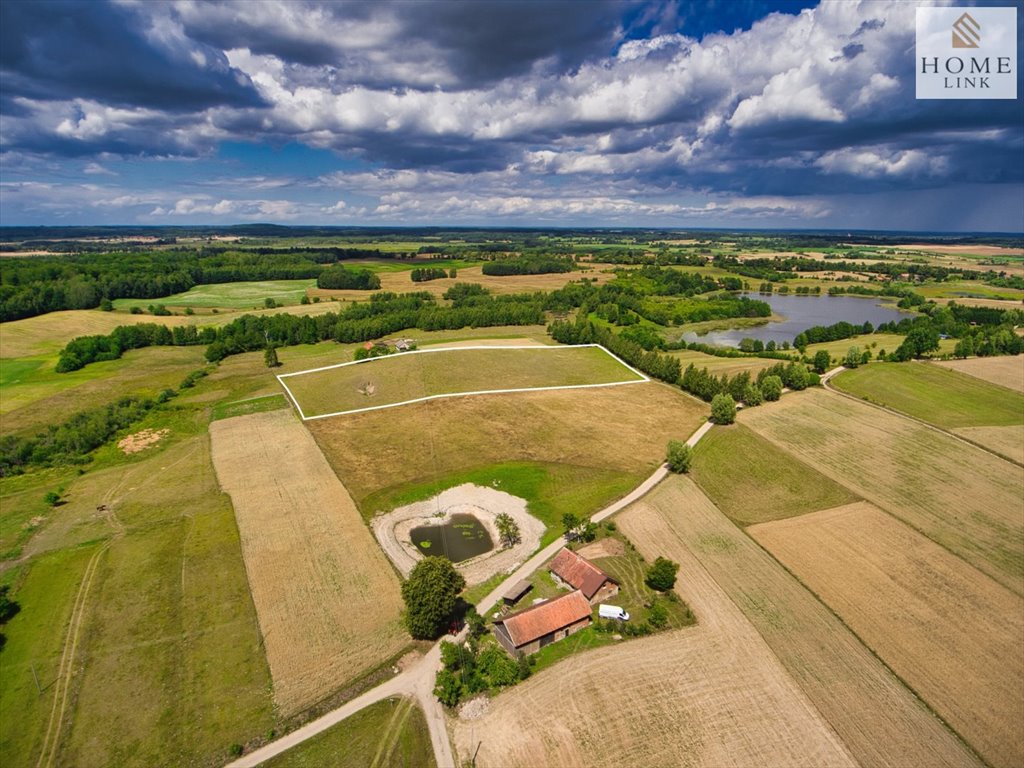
x,y
801,313
460,538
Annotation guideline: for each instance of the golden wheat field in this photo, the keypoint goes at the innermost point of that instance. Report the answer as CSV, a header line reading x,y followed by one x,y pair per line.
x,y
962,497
955,635
327,599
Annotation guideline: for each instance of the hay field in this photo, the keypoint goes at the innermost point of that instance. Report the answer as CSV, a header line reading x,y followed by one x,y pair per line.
x,y
1006,371
400,378
961,497
933,393
710,695
719,365
952,633
753,481
47,334
328,601
880,720
617,431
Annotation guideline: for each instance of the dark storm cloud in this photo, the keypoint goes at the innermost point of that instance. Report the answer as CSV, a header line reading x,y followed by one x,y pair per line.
x,y
66,49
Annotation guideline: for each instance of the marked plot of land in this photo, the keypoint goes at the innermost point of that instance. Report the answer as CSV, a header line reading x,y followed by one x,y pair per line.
x,y
398,379
880,720
952,633
961,497
328,601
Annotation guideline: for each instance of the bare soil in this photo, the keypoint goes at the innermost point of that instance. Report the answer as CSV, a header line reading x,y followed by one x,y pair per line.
x,y
328,601
140,441
955,635
603,548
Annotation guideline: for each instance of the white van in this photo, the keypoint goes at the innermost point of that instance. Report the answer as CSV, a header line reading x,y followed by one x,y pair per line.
x,y
612,612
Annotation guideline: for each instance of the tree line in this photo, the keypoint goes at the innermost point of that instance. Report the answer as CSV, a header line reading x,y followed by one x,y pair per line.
x,y
342,278
530,264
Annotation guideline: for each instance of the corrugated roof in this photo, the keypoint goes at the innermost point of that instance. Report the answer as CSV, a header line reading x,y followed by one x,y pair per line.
x,y
578,572
518,590
526,626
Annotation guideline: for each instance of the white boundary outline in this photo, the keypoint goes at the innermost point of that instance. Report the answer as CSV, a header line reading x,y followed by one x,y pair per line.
x,y
281,377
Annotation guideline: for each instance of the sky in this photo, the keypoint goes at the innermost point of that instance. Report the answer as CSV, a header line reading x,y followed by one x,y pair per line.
x,y
585,113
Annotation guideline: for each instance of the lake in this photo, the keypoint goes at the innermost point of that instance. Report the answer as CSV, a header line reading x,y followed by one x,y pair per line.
x,y
460,538
801,313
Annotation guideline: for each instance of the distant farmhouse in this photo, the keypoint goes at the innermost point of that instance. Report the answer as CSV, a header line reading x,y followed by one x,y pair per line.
x,y
529,630
579,573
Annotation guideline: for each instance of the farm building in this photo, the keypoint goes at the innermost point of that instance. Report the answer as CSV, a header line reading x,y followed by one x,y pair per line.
x,y
529,630
515,594
579,573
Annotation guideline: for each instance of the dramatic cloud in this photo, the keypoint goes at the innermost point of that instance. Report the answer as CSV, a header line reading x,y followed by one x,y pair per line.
x,y
686,113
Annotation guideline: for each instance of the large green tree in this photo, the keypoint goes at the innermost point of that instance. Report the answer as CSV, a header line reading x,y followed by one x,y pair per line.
x,y
723,409
431,594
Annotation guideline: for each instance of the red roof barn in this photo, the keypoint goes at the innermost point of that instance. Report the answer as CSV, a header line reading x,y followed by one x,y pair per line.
x,y
579,573
529,630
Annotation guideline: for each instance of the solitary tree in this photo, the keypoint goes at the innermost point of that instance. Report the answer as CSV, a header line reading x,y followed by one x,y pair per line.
x,y
270,356
662,574
723,409
853,357
431,594
822,360
508,530
679,456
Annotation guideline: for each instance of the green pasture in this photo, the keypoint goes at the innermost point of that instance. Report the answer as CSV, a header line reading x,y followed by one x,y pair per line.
x,y
245,295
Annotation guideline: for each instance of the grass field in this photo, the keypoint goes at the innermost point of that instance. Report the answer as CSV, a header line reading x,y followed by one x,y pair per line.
x,y
876,342
1006,371
587,447
326,596
401,378
752,481
167,645
878,718
388,734
935,394
951,632
246,295
959,496
709,695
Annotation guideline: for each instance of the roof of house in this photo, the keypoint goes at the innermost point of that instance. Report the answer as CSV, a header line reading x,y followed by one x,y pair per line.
x,y
518,590
527,625
579,572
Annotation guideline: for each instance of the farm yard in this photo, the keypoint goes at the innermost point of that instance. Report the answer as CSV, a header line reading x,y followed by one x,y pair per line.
x,y
401,378
880,721
326,597
707,695
963,498
952,633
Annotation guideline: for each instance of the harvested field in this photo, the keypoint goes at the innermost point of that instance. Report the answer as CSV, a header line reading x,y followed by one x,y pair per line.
x,y
403,378
753,481
974,250
961,497
952,633
719,365
709,695
46,334
327,600
1006,371
613,435
880,720
935,394
1006,441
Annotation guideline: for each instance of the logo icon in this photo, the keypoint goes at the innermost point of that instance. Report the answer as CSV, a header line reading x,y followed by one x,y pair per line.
x,y
966,32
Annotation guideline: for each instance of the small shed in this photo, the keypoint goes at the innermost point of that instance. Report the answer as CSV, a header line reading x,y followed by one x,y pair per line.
x,y
579,573
516,592
531,629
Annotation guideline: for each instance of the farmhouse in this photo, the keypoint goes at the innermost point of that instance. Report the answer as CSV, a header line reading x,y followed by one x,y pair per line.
x,y
529,630
579,573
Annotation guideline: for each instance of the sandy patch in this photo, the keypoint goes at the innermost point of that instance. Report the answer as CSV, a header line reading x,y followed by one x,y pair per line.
x,y
603,548
392,529
140,441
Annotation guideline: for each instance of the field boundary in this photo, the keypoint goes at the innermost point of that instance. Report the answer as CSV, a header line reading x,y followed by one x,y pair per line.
x,y
281,377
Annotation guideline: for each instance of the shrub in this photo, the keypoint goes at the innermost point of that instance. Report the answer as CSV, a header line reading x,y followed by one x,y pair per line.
x,y
658,617
723,409
661,576
52,498
679,456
